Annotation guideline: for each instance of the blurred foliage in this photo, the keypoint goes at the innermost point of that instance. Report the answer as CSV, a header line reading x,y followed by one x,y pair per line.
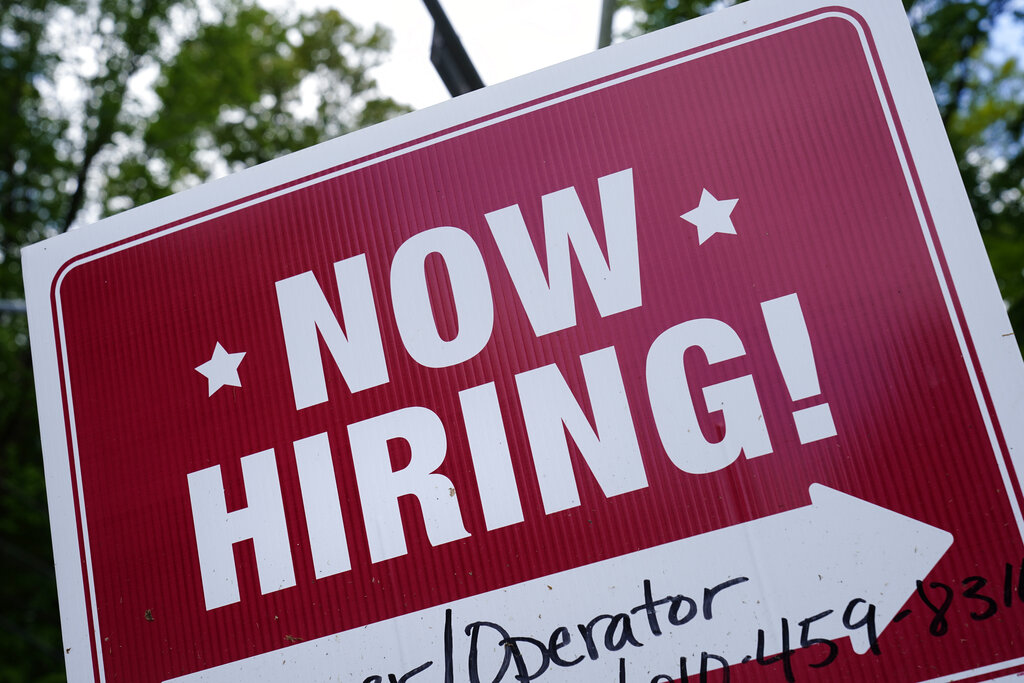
x,y
230,96
105,104
980,94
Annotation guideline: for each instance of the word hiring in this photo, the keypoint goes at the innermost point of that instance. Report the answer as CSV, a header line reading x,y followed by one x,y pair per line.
x,y
607,444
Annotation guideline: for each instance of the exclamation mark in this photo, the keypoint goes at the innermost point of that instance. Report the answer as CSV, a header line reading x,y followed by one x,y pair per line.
x,y
792,345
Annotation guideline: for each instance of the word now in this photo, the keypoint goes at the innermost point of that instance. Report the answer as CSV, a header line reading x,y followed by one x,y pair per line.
x,y
606,439
548,301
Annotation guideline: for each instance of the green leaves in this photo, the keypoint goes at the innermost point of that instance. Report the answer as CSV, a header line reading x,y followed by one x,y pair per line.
x,y
246,89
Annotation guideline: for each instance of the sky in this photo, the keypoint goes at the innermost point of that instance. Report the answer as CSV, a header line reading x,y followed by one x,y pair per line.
x,y
504,38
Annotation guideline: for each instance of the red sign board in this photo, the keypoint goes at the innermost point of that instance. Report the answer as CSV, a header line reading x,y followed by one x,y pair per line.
x,y
659,364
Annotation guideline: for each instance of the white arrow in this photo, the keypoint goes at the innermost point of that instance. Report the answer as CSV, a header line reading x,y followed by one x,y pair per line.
x,y
822,556
798,563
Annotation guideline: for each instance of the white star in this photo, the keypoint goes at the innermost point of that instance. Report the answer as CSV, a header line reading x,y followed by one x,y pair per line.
x,y
221,369
711,216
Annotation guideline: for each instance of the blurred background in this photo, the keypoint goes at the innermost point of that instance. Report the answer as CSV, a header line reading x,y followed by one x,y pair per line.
x,y
108,104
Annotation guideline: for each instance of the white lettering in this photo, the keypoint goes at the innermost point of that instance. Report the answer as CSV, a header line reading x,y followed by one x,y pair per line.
x,y
492,462
675,414
550,410
217,530
615,283
327,540
470,288
357,351
380,487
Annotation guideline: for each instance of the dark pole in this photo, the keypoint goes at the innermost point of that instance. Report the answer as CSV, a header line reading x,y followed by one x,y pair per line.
x,y
604,35
448,56
12,306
